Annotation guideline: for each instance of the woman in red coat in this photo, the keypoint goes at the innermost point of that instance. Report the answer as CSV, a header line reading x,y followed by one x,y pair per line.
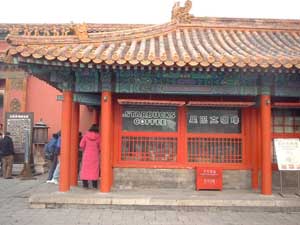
x,y
90,144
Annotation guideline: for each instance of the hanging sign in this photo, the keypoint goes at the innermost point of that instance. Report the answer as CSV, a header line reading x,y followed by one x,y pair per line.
x,y
287,153
146,118
204,120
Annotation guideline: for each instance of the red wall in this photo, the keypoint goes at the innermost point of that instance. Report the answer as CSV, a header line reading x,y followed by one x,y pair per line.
x,y
41,99
86,119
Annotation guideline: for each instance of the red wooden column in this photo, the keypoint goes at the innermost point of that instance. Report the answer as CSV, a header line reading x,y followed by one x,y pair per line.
x,y
254,149
74,144
106,145
265,107
182,131
64,180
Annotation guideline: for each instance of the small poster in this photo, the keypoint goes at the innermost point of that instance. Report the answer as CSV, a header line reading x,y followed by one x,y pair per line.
x,y
287,153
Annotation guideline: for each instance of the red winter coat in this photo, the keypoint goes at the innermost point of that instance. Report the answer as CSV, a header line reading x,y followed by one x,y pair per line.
x,y
90,144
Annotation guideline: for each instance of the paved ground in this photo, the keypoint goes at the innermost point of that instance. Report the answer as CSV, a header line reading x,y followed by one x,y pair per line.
x,y
14,209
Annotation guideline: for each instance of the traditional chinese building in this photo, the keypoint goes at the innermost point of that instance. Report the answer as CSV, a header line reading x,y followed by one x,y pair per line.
x,y
193,92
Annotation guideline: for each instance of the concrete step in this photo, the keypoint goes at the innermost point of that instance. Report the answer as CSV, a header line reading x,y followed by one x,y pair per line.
x,y
168,199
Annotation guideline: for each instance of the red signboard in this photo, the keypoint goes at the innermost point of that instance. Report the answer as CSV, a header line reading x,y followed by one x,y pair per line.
x,y
209,178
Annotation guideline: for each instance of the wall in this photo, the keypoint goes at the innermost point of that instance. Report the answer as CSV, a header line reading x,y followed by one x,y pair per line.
x,y
289,179
131,178
86,118
41,99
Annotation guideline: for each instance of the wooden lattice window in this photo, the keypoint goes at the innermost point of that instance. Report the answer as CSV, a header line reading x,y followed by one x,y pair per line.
x,y
214,135
215,150
143,148
149,133
286,121
286,124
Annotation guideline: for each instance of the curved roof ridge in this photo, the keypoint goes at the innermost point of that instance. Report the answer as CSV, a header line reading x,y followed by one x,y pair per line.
x,y
136,33
246,23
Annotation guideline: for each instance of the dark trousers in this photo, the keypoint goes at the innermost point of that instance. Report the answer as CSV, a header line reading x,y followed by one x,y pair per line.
x,y
53,166
86,183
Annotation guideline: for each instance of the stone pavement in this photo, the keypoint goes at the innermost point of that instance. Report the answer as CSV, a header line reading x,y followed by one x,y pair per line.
x,y
15,209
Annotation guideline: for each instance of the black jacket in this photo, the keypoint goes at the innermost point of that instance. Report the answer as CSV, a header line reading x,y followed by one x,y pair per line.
x,y
6,146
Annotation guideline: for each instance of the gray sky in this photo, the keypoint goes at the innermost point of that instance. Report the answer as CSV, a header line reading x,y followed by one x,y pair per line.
x,y
138,11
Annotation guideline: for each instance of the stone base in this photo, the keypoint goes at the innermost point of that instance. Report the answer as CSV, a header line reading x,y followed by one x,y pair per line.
x,y
41,168
133,178
289,179
40,164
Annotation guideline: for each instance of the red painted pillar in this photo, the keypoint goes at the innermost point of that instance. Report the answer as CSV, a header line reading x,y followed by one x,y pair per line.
x,y
265,107
106,145
182,131
254,150
74,144
64,180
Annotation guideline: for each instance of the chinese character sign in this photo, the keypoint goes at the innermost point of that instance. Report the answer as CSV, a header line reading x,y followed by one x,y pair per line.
x,y
287,153
146,118
16,124
213,120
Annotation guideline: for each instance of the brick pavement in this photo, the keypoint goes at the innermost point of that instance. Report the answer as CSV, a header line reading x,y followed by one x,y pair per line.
x,y
14,209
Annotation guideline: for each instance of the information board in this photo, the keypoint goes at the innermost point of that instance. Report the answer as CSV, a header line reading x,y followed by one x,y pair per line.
x,y
17,124
287,153
149,118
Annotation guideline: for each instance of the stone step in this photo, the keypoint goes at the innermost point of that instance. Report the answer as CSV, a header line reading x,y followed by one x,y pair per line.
x,y
168,199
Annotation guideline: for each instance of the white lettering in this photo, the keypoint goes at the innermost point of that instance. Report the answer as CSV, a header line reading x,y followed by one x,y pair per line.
x,y
214,120
203,119
235,120
193,119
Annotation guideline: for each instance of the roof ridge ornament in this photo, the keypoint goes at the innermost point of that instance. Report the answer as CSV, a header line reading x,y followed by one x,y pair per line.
x,y
40,30
81,31
182,14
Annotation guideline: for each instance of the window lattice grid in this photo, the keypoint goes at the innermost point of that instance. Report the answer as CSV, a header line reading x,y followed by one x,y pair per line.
x,y
215,150
286,120
153,149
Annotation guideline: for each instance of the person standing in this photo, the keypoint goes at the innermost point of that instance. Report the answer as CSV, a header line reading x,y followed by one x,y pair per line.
x,y
7,152
55,176
52,152
90,144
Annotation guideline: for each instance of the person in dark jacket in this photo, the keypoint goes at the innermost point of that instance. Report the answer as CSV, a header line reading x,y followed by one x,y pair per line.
x,y
51,149
7,152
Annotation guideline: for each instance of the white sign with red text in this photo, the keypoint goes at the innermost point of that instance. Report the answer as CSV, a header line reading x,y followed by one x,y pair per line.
x,y
287,153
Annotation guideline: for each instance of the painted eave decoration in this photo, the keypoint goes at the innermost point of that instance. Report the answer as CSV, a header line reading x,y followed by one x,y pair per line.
x,y
184,41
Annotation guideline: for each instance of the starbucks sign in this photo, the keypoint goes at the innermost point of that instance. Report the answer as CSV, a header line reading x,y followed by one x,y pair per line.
x,y
149,118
